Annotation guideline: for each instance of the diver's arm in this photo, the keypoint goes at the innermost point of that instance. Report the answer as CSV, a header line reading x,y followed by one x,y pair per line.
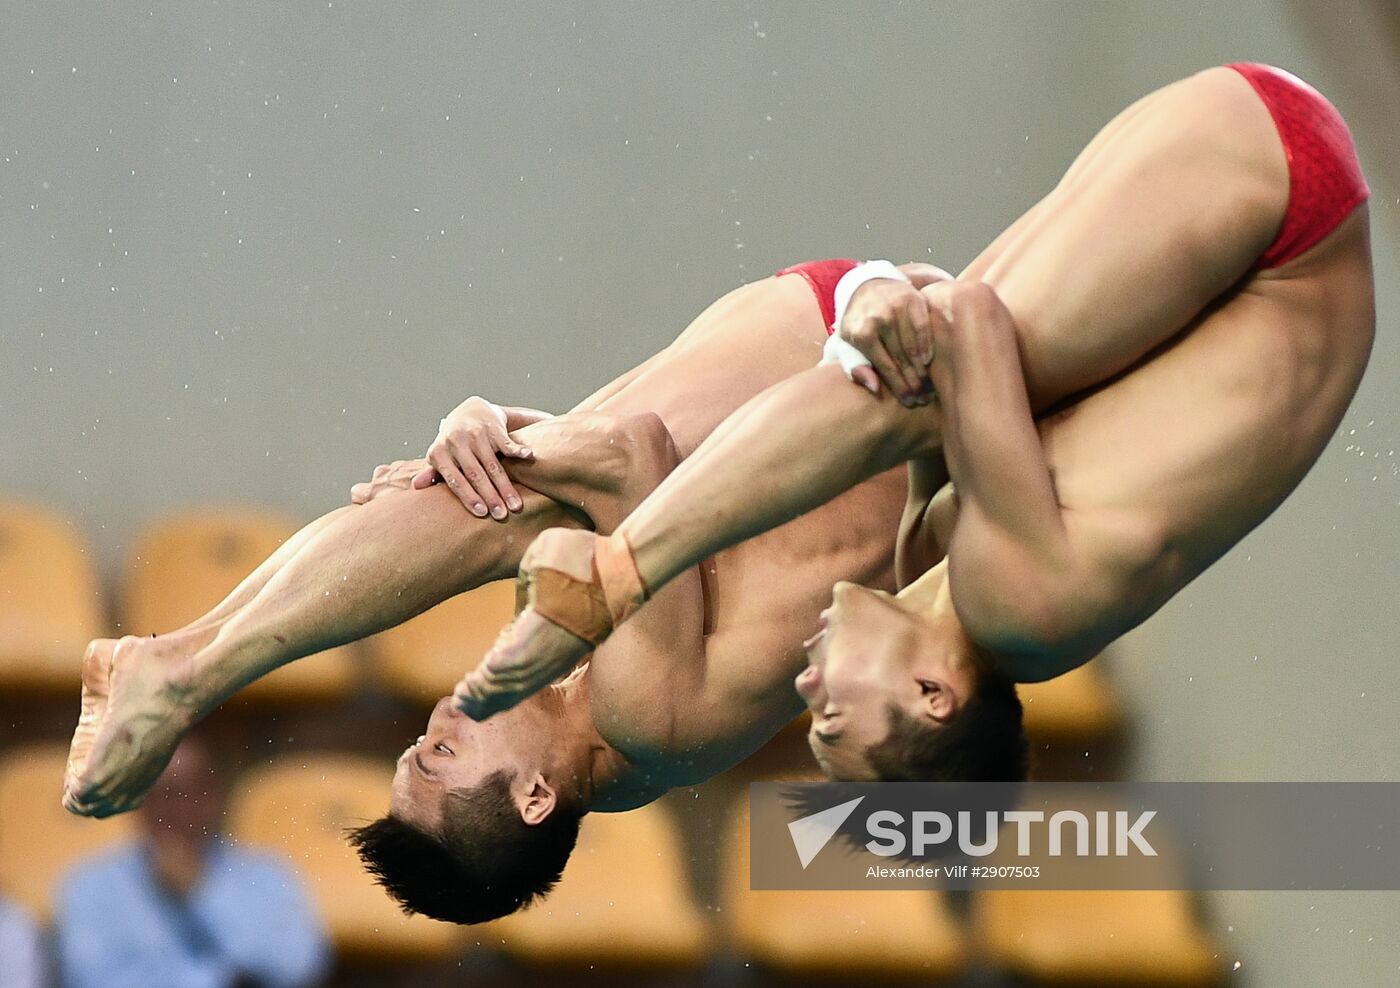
x,y
518,417
1012,562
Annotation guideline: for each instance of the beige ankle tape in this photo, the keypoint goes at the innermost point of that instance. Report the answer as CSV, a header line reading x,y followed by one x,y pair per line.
x,y
563,584
584,583
616,570
575,606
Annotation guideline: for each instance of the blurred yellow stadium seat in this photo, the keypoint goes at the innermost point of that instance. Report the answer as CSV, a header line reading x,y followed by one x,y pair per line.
x,y
624,901
1096,937
182,566
1078,706
39,839
422,659
301,806
50,599
884,933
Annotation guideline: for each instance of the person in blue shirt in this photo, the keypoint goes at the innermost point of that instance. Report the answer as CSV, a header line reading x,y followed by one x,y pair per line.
x,y
21,949
182,907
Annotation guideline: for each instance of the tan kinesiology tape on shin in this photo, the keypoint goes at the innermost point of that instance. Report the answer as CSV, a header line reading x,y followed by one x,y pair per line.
x,y
584,588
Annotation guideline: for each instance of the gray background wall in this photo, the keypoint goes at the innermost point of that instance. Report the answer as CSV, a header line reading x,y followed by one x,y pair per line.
x,y
251,250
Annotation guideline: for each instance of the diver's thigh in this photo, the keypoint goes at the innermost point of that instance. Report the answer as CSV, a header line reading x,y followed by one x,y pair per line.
x,y
1175,204
753,338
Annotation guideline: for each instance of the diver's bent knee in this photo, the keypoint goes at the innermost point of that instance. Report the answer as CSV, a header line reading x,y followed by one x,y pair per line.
x,y
651,438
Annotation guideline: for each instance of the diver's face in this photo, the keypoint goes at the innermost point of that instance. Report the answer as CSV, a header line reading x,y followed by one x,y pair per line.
x,y
456,752
870,651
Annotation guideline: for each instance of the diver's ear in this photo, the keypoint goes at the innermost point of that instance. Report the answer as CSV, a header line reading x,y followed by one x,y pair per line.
x,y
536,801
937,701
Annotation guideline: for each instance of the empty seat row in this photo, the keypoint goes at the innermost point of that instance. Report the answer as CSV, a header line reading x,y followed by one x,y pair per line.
x,y
50,598
51,605
624,901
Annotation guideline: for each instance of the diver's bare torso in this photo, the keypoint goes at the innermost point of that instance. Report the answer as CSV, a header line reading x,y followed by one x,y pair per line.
x,y
1195,446
688,717
687,705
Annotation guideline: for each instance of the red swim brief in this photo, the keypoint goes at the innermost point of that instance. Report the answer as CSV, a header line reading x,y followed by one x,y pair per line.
x,y
822,277
1324,178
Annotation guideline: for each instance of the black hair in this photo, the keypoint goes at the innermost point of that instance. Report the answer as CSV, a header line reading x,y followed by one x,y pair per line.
x,y
483,863
983,742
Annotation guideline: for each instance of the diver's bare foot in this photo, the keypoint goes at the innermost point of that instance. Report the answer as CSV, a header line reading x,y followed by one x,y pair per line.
x,y
530,653
575,587
138,701
96,667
